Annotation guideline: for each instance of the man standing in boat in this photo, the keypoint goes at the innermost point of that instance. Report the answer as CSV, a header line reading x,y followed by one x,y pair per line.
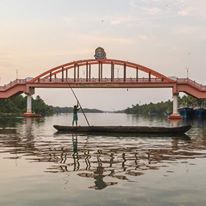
x,y
75,116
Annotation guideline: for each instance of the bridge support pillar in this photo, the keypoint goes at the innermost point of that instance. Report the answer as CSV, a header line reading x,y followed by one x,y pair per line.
x,y
29,104
29,108
175,114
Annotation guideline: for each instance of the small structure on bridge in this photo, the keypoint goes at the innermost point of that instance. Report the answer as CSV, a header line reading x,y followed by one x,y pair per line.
x,y
100,53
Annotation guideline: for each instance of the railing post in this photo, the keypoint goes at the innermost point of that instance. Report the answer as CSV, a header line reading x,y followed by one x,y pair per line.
x,y
99,73
75,72
66,74
50,76
125,72
112,71
87,72
137,74
101,70
62,74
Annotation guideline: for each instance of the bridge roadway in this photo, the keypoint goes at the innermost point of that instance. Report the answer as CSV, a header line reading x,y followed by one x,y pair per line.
x,y
179,85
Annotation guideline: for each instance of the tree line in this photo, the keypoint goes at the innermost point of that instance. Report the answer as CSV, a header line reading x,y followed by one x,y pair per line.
x,y
164,108
17,105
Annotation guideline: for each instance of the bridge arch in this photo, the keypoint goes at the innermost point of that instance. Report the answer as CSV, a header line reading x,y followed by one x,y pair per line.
x,y
87,64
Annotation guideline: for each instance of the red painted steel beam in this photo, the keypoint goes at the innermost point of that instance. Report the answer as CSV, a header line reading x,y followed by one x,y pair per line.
x,y
71,65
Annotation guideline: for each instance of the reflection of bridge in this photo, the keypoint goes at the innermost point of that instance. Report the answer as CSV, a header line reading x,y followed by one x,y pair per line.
x,y
102,73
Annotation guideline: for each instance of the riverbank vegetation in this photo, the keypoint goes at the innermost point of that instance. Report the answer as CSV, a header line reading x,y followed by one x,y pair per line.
x,y
164,108
16,105
151,108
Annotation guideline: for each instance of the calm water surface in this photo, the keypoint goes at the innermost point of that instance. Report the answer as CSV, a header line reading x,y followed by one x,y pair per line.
x,y
41,167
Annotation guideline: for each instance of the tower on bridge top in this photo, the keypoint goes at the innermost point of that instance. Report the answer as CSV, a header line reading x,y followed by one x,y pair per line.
x,y
100,53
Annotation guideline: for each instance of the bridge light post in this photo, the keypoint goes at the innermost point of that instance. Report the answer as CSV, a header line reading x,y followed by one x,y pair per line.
x,y
187,70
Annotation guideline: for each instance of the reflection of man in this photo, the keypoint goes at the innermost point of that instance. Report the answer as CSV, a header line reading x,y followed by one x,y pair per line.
x,y
75,153
99,182
75,144
98,176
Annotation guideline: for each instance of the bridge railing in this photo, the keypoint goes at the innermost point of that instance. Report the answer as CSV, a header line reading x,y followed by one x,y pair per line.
x,y
191,82
100,80
12,83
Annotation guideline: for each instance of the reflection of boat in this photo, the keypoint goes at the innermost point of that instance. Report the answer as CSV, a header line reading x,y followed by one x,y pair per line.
x,y
123,129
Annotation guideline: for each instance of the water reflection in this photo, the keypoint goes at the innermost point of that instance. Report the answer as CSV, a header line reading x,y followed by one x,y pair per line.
x,y
111,158
105,160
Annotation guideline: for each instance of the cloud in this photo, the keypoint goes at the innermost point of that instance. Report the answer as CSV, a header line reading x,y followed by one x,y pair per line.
x,y
192,8
191,31
187,11
109,39
121,20
152,11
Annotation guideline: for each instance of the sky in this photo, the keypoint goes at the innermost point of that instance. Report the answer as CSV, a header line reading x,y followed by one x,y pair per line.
x,y
168,36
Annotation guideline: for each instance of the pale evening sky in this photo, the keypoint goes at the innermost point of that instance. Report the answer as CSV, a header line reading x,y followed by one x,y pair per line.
x,y
166,35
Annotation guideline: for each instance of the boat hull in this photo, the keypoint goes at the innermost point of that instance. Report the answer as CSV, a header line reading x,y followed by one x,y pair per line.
x,y
123,129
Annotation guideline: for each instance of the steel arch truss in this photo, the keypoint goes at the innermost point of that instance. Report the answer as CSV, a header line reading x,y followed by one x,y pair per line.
x,y
52,75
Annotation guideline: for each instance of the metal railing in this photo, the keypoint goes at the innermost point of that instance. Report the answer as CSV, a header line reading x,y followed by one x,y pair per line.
x,y
101,80
13,83
104,80
192,83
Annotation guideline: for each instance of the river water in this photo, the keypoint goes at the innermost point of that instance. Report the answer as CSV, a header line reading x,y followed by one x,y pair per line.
x,y
40,167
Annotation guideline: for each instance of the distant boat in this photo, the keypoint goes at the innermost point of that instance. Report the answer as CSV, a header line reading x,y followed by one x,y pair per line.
x,y
186,112
123,129
200,112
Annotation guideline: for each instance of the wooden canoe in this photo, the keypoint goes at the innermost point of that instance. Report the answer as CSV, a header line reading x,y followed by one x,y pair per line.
x,y
123,129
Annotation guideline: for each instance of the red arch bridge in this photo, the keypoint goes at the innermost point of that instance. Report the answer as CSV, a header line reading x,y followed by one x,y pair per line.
x,y
102,73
